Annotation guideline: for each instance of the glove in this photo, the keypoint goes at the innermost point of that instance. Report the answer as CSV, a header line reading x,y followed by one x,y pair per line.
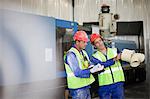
x,y
97,68
91,66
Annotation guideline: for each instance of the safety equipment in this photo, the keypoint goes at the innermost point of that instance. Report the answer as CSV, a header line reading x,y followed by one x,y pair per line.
x,y
81,36
115,52
127,54
94,36
111,74
73,81
136,59
97,68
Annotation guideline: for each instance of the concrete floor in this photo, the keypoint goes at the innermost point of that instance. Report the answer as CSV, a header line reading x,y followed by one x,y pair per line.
x,y
136,91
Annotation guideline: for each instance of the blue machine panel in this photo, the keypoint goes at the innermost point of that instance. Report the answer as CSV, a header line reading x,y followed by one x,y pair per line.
x,y
67,24
124,44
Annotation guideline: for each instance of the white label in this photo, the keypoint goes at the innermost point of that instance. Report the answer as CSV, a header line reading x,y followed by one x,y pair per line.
x,y
48,54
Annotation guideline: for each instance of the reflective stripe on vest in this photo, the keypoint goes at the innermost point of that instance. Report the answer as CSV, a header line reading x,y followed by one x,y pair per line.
x,y
113,70
70,75
113,73
77,82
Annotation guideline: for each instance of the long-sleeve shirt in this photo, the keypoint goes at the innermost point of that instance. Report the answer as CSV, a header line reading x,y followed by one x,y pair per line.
x,y
72,61
108,62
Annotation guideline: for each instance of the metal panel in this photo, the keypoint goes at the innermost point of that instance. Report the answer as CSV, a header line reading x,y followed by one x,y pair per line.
x,y
67,24
28,57
28,38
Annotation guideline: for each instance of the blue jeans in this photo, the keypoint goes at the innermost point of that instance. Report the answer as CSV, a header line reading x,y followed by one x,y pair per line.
x,y
83,93
113,91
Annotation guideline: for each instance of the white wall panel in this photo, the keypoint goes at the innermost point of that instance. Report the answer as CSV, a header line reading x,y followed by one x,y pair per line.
x,y
129,10
61,9
86,11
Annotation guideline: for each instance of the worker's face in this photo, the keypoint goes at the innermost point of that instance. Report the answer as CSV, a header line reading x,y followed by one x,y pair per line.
x,y
99,44
82,44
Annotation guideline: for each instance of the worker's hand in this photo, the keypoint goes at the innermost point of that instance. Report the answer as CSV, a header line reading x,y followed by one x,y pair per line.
x,y
97,68
117,57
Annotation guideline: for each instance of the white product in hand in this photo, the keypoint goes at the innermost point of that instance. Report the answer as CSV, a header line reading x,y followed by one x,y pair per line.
x,y
136,59
126,55
141,56
97,68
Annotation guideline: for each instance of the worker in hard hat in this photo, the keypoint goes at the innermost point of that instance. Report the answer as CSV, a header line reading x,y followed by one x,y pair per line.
x,y
77,65
111,80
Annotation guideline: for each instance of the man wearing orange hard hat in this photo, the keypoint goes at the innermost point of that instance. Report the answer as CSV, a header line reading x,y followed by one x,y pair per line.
x,y
111,80
79,68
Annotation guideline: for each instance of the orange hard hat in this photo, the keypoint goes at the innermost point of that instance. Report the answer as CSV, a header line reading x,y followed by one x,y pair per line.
x,y
81,36
94,36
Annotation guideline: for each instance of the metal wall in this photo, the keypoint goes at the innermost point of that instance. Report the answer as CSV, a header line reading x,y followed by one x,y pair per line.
x,y
55,8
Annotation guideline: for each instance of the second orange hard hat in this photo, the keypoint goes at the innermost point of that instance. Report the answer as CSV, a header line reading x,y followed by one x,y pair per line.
x,y
94,36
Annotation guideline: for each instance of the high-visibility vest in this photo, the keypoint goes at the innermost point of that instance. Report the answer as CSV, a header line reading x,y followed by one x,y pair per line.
x,y
113,73
77,82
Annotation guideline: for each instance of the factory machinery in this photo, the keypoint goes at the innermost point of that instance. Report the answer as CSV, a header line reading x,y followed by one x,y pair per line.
x,y
33,49
110,29
114,32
